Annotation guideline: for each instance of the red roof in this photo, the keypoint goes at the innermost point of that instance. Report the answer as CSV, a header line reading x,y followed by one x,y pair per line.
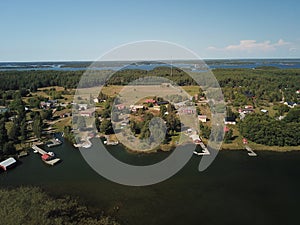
x,y
226,129
150,101
45,156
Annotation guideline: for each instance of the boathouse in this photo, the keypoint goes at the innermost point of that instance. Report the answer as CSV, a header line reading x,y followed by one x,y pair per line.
x,y
7,163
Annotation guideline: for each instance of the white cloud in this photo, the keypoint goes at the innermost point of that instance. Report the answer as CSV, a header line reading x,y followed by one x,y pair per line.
x,y
251,46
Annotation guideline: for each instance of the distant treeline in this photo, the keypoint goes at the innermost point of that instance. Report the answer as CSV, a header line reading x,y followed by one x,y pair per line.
x,y
261,83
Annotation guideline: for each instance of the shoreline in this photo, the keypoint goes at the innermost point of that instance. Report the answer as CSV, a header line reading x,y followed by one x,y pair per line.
x,y
267,148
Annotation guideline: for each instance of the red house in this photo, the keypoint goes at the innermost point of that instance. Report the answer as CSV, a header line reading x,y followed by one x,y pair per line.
x,y
150,101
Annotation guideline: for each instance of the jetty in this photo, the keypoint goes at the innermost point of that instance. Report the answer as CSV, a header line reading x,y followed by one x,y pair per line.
x,y
85,144
108,142
250,151
54,142
204,149
198,141
47,157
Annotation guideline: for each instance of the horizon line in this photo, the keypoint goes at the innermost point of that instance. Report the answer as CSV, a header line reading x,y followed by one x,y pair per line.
x,y
86,60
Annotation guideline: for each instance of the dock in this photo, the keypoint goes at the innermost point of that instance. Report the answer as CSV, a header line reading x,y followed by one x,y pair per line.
x,y
43,152
250,151
54,142
111,142
204,150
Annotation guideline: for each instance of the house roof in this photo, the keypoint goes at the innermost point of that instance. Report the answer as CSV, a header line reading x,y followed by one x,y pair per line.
x,y
226,129
229,119
7,162
162,103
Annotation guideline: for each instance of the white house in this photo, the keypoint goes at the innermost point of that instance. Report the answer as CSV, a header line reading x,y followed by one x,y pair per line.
x,y
202,118
229,120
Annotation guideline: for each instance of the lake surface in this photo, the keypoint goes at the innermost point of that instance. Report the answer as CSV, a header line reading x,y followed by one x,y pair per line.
x,y
235,189
212,64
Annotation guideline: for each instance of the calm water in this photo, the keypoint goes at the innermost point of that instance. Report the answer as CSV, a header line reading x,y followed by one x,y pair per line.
x,y
235,189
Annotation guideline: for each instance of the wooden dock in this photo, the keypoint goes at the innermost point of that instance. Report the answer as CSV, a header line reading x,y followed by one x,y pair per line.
x,y
250,151
39,150
43,152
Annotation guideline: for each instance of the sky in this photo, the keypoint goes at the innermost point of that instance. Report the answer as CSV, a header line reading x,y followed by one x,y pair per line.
x,y
84,30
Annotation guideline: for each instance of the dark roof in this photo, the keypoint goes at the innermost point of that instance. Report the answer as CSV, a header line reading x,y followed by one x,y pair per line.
x,y
248,94
229,119
162,103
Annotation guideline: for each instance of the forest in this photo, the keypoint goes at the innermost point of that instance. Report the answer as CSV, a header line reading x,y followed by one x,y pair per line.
x,y
262,83
266,130
30,205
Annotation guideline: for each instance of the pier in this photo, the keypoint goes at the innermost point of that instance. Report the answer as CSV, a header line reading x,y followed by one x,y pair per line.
x,y
54,142
204,150
44,153
250,151
111,142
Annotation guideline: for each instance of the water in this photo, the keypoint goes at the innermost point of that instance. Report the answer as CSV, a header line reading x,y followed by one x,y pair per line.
x,y
235,189
213,64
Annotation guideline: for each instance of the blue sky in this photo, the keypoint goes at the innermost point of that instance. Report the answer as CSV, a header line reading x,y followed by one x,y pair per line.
x,y
84,30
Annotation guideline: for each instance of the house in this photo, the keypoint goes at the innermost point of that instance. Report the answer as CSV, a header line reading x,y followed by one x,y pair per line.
x,y
202,118
150,101
3,109
87,113
82,106
162,103
298,92
196,139
120,106
264,110
245,142
135,108
187,110
226,129
290,104
96,100
156,107
229,120
45,105
48,104
7,163
248,94
247,109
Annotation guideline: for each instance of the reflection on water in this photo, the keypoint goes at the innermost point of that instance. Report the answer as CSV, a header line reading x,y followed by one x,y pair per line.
x,y
235,189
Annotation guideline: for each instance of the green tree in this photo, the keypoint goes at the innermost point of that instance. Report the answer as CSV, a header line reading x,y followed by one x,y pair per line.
x,y
37,126
228,136
3,132
9,148
14,132
106,127
23,131
163,110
